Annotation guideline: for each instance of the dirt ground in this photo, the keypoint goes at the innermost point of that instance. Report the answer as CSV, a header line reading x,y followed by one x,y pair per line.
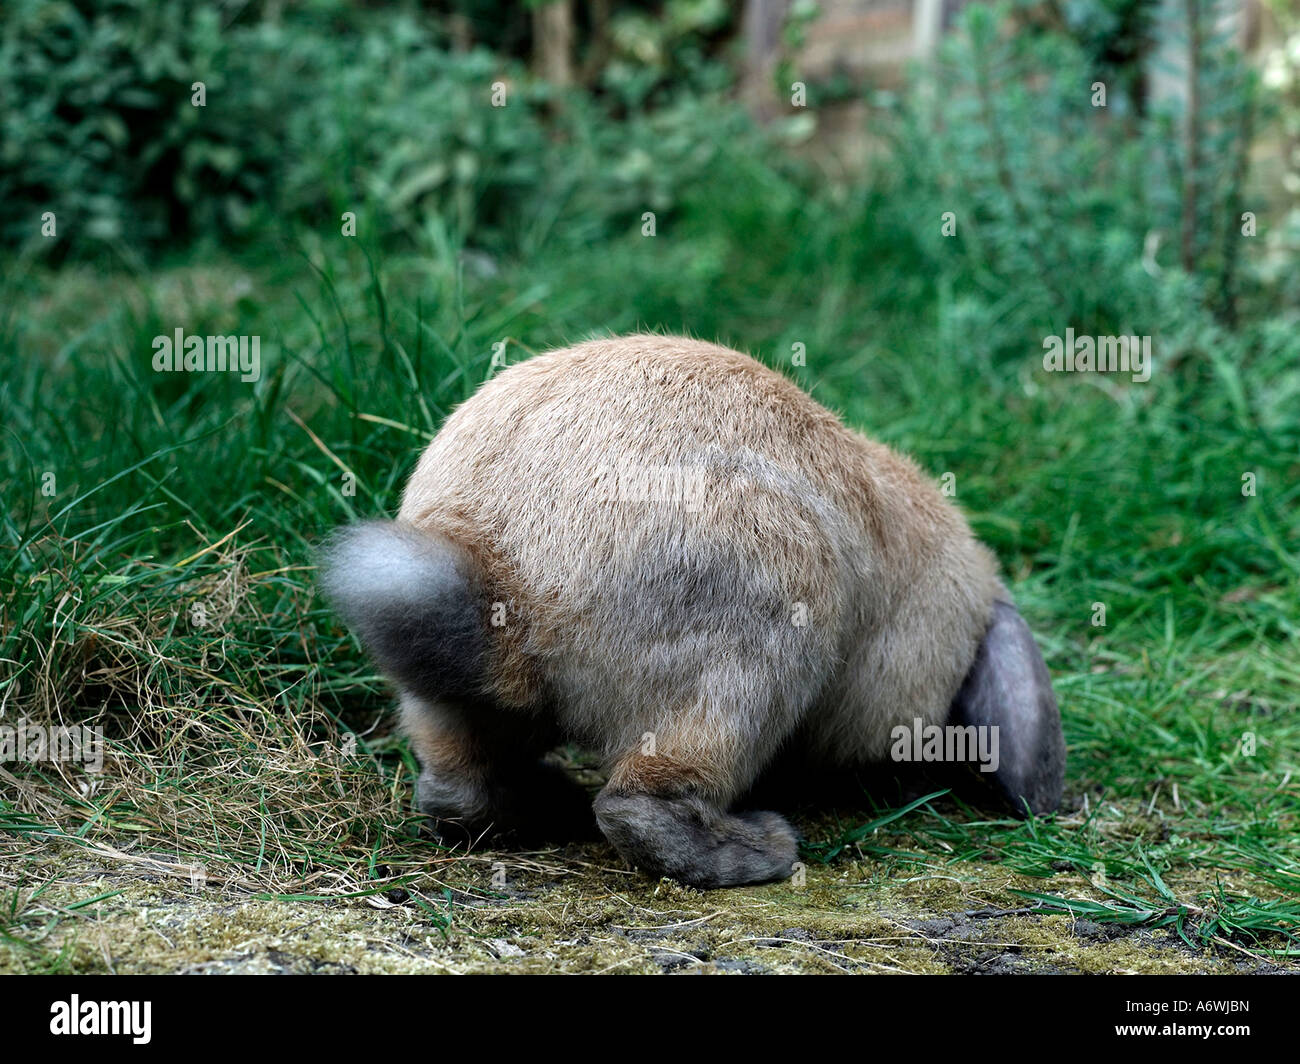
x,y
572,911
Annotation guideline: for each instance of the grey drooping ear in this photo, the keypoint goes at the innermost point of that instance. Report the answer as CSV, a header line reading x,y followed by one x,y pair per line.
x,y
1008,688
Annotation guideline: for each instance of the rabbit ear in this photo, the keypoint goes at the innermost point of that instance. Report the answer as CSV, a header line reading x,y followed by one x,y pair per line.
x,y
1008,688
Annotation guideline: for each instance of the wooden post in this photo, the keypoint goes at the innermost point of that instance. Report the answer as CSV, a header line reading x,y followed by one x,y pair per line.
x,y
553,41
762,24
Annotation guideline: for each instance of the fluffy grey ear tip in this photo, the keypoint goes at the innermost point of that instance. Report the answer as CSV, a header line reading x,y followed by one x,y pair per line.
x,y
413,598
343,537
369,565
336,554
326,549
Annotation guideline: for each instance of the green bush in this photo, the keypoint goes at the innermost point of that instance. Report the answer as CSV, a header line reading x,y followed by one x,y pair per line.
x,y
306,119
1065,213
98,124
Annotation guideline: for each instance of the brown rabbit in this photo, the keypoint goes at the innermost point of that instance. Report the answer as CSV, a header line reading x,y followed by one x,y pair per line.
x,y
663,551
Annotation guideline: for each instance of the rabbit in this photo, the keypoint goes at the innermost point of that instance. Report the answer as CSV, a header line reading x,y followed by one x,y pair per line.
x,y
664,552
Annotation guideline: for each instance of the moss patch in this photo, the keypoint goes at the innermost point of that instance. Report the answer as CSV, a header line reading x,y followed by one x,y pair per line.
x,y
574,911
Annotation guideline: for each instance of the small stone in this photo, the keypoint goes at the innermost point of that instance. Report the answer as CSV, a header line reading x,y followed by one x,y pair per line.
x,y
502,948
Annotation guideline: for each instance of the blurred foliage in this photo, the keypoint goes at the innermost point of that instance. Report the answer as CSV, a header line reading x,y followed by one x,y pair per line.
x,y
306,118
1061,212
1113,36
98,125
1281,84
657,53
325,107
637,52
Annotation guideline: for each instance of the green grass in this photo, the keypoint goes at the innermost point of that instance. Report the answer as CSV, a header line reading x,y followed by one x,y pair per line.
x,y
27,922
229,739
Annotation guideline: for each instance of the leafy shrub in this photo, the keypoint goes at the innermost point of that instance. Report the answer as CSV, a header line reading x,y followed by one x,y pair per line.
x,y
99,126
1062,215
304,120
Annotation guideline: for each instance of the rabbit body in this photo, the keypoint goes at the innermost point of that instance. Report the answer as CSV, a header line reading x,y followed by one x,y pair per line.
x,y
663,551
